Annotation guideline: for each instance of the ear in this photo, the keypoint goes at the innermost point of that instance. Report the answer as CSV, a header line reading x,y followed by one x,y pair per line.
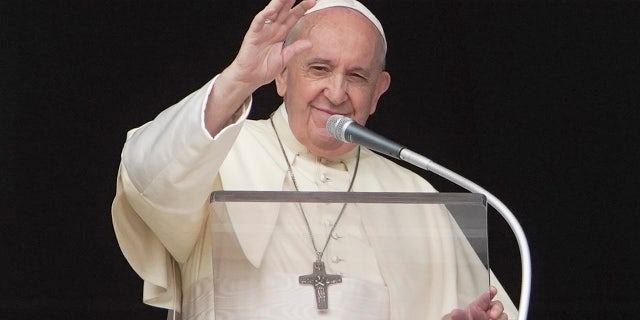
x,y
281,82
382,85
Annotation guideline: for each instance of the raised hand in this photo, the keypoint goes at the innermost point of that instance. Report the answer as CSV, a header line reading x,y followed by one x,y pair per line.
x,y
261,56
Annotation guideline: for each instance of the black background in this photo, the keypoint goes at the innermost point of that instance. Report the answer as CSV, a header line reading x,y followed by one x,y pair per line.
x,y
537,101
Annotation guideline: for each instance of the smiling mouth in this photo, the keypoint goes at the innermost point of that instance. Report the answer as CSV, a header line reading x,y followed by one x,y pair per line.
x,y
328,112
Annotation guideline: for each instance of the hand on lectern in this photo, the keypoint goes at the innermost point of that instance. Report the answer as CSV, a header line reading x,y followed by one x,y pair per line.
x,y
481,309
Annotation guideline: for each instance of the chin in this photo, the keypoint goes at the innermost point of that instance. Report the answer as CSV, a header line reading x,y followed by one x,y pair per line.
x,y
332,149
323,144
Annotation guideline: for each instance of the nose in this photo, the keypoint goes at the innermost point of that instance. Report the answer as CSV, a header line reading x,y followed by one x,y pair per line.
x,y
336,90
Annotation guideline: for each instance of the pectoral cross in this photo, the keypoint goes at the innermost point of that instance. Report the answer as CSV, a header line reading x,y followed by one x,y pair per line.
x,y
320,281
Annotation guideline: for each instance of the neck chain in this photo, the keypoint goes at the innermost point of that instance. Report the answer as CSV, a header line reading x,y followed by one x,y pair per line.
x,y
319,253
319,279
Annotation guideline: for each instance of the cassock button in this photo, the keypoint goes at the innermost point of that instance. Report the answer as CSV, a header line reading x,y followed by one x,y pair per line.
x,y
335,259
324,178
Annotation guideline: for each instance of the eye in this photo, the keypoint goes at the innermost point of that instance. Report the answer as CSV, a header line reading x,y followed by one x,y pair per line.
x,y
358,77
318,70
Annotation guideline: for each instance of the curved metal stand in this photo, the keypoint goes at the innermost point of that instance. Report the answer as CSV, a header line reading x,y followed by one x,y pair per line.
x,y
525,255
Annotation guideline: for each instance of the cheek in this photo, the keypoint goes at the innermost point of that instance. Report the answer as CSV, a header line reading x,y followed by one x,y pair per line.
x,y
302,93
363,103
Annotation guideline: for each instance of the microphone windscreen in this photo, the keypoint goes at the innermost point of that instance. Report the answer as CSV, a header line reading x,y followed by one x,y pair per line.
x,y
336,126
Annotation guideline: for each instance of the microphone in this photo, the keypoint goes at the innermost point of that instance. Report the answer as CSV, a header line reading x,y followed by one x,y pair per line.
x,y
346,129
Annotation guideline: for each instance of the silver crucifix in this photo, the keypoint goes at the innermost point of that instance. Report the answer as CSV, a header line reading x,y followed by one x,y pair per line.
x,y
320,281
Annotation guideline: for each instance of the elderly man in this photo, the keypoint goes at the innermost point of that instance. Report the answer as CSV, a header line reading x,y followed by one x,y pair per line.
x,y
326,58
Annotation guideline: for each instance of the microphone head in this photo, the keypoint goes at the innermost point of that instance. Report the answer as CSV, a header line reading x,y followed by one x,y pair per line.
x,y
336,126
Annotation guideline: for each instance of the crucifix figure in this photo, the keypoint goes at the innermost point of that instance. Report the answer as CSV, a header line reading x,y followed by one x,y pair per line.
x,y
320,281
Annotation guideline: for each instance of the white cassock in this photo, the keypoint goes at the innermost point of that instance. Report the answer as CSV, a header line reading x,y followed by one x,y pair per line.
x,y
235,264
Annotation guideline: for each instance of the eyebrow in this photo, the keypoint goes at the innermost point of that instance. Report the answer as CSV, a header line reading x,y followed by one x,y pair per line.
x,y
363,70
319,60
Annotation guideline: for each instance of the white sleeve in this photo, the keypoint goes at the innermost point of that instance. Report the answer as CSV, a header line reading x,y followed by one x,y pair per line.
x,y
168,169
175,154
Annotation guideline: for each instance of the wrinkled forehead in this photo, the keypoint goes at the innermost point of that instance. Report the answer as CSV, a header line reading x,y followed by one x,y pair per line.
x,y
354,5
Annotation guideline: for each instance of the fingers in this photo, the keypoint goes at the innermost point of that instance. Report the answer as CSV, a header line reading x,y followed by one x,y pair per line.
x,y
496,310
296,47
482,308
281,11
493,291
298,11
269,14
483,302
271,25
277,8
